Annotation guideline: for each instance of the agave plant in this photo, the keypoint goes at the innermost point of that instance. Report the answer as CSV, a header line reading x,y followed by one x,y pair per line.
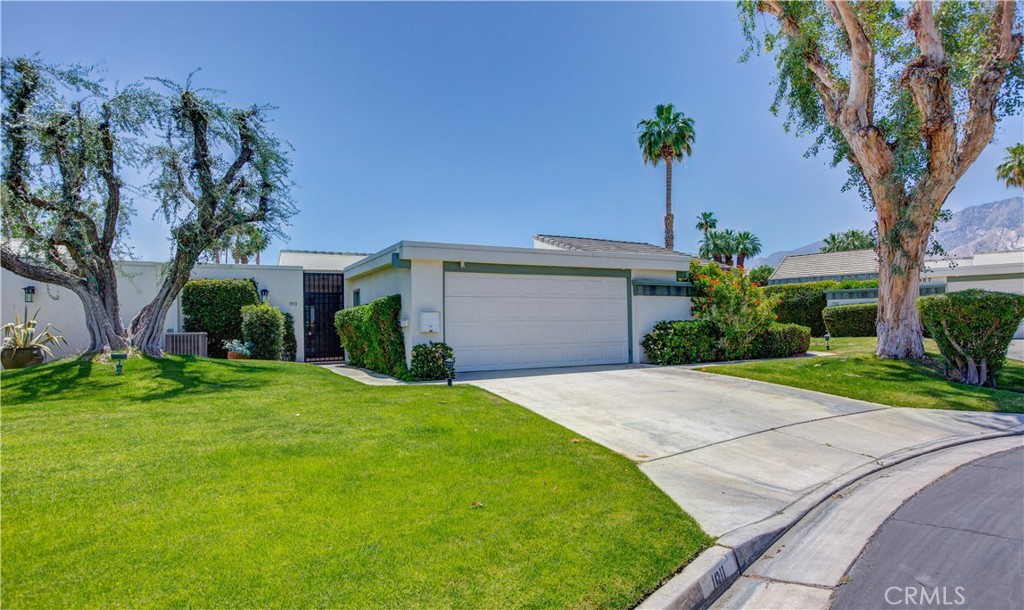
x,y
23,334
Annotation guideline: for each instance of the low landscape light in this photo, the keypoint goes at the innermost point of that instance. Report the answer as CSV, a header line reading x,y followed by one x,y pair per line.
x,y
449,366
827,337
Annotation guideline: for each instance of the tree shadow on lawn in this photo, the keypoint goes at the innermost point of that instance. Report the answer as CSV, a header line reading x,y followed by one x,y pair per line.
x,y
213,376
930,375
175,376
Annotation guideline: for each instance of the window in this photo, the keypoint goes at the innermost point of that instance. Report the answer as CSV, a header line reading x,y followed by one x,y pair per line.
x,y
355,298
661,290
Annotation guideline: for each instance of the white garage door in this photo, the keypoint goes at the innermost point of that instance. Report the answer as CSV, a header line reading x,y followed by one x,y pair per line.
x,y
498,321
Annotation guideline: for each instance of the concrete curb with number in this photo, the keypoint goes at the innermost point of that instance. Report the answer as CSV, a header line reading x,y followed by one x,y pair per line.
x,y
713,571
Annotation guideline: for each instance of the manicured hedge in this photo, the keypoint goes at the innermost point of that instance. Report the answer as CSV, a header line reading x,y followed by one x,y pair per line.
x,y
263,327
372,335
973,329
856,320
692,341
291,345
682,342
428,361
215,307
801,303
780,341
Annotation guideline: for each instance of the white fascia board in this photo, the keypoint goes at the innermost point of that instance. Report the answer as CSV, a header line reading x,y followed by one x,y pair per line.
x,y
539,257
372,262
997,269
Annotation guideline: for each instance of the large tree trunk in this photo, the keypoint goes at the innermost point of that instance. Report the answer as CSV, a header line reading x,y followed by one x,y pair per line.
x,y
898,325
669,218
105,333
147,328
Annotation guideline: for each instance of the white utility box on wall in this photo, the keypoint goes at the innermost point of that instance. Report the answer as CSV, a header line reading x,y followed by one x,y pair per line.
x,y
430,321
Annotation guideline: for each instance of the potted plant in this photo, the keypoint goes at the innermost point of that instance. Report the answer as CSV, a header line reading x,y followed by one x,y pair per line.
x,y
237,350
23,346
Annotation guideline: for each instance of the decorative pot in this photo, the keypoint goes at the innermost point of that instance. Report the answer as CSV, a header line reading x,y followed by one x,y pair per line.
x,y
21,357
237,356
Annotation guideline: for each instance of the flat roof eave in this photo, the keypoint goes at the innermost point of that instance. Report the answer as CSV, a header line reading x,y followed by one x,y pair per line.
x,y
471,253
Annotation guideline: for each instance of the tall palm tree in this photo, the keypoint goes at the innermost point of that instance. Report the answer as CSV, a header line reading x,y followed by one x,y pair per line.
x,y
747,244
706,221
832,243
668,136
1011,170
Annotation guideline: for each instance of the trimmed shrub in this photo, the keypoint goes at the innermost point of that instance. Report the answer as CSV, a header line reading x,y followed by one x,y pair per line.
x,y
973,329
372,335
215,307
291,345
428,361
682,342
851,320
801,303
263,327
857,284
732,302
780,341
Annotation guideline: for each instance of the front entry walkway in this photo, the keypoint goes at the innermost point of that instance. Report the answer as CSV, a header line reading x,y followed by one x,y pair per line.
x,y
734,452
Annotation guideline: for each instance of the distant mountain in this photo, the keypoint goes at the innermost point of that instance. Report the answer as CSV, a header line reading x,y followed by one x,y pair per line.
x,y
775,258
988,227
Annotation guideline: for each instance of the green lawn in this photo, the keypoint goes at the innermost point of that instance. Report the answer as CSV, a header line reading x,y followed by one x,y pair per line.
x,y
854,371
208,483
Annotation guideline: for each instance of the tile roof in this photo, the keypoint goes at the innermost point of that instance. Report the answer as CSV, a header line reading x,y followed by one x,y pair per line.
x,y
850,262
589,244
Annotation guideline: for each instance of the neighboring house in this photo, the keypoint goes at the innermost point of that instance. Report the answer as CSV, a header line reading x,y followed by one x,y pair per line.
x,y
820,266
562,303
1000,271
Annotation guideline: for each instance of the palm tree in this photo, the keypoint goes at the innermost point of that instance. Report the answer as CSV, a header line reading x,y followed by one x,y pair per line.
x,y
726,245
1011,170
832,243
747,244
669,135
854,239
706,221
248,241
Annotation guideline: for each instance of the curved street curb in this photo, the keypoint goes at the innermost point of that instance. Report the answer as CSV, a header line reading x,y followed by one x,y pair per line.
x,y
713,571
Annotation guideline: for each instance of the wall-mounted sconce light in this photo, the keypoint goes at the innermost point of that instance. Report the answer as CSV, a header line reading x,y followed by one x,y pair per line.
x,y
30,294
265,294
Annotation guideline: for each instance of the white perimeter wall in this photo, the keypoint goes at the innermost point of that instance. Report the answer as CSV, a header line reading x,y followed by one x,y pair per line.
x,y
648,311
137,284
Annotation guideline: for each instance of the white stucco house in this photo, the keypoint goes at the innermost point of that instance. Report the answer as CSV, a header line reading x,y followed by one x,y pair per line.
x,y
565,302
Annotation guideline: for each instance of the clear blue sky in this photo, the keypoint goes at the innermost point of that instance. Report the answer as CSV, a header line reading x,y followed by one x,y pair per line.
x,y
484,123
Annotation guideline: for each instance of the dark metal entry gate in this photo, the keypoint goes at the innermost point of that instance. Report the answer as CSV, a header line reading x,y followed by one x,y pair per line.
x,y
323,296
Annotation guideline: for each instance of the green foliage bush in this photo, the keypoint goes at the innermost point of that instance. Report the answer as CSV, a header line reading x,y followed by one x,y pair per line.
x,y
428,361
372,335
973,329
856,320
215,307
682,342
263,327
780,341
760,274
801,303
732,302
291,345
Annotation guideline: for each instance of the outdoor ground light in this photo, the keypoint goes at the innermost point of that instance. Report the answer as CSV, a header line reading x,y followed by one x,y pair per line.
x,y
30,294
264,293
449,367
827,337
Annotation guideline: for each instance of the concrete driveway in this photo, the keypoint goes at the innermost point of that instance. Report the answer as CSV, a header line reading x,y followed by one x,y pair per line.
x,y
733,452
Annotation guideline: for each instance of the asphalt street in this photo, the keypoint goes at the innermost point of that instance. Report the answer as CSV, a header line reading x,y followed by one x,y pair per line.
x,y
958,543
